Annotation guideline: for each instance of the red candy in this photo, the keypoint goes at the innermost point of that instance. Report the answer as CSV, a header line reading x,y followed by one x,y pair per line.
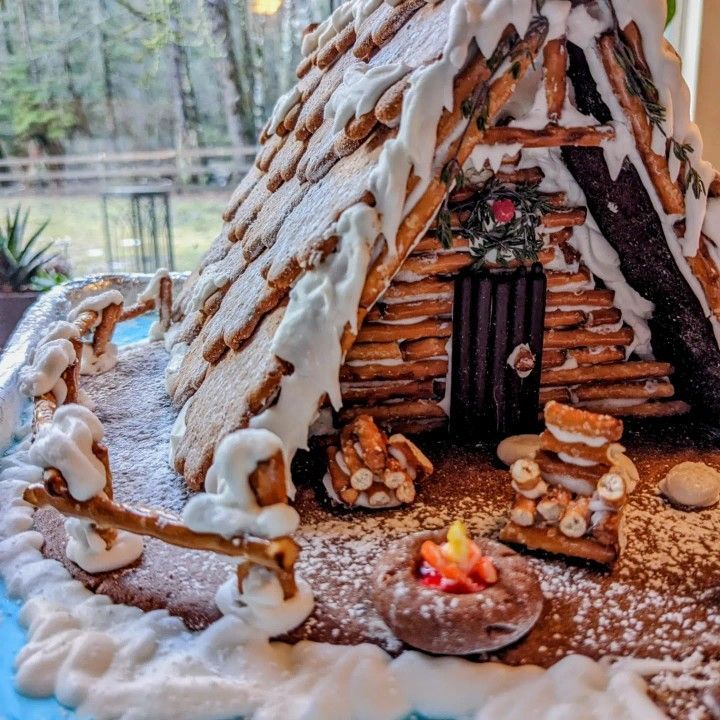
x,y
503,211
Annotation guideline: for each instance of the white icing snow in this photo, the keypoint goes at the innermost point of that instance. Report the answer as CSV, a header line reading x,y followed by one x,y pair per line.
x,y
360,90
152,289
88,550
229,506
67,445
568,436
52,359
322,304
213,277
92,364
97,303
261,606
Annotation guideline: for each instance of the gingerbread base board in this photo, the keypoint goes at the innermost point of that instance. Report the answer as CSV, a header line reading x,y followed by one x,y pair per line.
x,y
660,601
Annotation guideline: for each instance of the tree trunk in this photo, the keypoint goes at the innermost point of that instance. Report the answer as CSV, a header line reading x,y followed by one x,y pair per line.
x,y
240,124
247,54
185,108
111,122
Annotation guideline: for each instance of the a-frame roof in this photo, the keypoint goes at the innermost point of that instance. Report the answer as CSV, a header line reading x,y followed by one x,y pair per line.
x,y
349,176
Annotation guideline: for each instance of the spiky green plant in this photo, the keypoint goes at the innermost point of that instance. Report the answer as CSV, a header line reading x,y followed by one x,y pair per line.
x,y
671,10
22,262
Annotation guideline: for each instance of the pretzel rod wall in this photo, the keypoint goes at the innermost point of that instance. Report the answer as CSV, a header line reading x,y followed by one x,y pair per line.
x,y
397,370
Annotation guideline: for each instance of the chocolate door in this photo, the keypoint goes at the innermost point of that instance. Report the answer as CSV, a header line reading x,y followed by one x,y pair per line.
x,y
498,319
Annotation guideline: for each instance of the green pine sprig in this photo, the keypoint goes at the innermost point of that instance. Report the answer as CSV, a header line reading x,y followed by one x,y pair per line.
x,y
640,84
516,240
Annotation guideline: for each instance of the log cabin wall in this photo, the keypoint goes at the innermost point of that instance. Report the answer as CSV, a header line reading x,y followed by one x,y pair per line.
x,y
397,370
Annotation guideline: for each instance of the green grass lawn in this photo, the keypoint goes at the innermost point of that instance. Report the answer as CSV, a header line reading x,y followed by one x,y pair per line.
x,y
76,225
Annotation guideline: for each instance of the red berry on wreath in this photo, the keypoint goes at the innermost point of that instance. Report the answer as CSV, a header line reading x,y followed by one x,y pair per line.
x,y
503,211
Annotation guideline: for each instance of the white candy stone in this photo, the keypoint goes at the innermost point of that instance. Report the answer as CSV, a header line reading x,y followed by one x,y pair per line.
x,y
692,484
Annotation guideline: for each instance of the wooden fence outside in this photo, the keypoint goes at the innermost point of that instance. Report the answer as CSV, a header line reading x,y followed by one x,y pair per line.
x,y
217,165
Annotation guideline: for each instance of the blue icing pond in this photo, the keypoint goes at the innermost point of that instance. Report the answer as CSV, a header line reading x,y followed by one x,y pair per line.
x,y
13,705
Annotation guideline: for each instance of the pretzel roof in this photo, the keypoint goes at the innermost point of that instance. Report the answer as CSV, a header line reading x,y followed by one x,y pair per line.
x,y
382,84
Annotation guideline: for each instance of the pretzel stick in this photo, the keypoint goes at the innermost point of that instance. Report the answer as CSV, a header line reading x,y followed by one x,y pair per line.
x,y
408,311
279,554
43,411
597,355
549,136
622,391
523,511
657,166
361,478
394,476
424,349
378,495
268,481
71,376
430,243
397,411
559,237
165,302
104,331
414,457
340,480
446,264
594,298
560,394
374,351
377,332
604,316
525,176
400,292
554,358
85,321
553,505
552,541
564,319
576,520
137,310
557,280
607,373
372,393
372,444
572,217
642,410
403,371
564,339
555,71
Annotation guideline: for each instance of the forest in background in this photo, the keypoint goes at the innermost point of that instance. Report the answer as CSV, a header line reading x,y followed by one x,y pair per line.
x,y
114,75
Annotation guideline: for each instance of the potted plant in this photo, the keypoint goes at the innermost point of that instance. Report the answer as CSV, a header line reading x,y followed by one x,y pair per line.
x,y
25,269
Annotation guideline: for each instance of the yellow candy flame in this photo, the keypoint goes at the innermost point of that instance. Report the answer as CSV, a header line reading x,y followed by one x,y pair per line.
x,y
458,542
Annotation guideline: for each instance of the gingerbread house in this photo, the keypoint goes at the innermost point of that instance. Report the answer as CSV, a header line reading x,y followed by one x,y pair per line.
x,y
483,197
